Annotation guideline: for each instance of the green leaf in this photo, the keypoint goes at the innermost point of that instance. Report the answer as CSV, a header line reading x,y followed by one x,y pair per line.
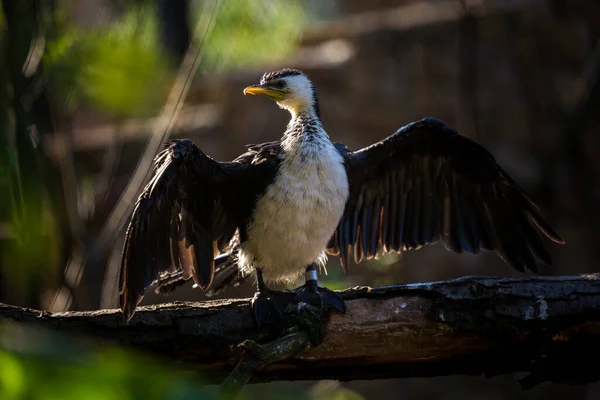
x,y
248,33
118,68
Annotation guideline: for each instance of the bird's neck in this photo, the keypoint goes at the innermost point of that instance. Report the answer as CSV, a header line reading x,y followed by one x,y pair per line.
x,y
305,124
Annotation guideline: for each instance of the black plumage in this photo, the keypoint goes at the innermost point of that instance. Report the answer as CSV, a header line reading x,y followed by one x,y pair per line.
x,y
438,185
188,214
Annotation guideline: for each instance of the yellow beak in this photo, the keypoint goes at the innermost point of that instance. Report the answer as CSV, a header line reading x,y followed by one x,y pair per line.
x,y
264,90
256,90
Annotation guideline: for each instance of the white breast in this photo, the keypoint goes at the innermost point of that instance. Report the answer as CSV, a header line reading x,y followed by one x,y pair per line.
x,y
299,212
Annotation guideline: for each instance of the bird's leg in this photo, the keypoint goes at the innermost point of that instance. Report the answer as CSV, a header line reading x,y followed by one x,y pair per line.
x,y
320,296
267,304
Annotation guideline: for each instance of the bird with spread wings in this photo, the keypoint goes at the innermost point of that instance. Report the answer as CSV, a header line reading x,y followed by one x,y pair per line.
x,y
279,209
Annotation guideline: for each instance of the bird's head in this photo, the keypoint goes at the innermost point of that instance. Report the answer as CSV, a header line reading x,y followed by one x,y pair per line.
x,y
289,88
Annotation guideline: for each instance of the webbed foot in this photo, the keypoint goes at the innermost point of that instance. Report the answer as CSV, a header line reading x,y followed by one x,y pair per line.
x,y
319,296
268,305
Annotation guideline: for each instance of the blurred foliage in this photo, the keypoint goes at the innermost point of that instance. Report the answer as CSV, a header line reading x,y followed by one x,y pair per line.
x,y
121,69
38,364
332,390
36,244
251,32
30,236
117,68
335,278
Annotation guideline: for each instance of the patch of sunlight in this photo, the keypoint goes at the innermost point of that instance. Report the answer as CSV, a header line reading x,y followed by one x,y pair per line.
x,y
332,390
12,377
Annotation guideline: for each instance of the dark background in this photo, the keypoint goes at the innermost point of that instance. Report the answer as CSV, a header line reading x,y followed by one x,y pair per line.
x,y
82,81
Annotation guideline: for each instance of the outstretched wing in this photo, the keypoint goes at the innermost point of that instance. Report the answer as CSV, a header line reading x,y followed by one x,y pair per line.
x,y
186,214
425,183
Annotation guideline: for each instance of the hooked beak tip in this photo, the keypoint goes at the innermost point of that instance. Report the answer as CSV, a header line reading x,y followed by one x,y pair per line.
x,y
255,89
264,90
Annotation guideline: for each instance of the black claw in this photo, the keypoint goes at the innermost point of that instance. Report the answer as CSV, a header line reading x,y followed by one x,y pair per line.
x,y
268,305
322,297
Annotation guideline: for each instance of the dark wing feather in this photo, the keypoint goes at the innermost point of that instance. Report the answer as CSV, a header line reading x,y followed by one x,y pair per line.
x,y
172,223
425,183
187,214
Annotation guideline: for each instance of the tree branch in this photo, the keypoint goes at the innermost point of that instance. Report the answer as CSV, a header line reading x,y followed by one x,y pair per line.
x,y
547,326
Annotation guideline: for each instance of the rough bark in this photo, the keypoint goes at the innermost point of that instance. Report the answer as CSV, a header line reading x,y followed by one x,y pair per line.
x,y
547,326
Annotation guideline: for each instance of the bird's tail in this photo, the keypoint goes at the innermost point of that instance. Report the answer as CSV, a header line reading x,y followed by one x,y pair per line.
x,y
226,275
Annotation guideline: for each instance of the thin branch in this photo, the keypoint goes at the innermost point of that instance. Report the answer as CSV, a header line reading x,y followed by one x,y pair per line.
x,y
546,326
255,357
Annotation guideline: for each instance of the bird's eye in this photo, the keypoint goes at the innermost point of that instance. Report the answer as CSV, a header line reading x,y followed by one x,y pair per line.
x,y
279,84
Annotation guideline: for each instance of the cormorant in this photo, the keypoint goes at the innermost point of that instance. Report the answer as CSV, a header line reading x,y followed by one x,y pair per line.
x,y
279,209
